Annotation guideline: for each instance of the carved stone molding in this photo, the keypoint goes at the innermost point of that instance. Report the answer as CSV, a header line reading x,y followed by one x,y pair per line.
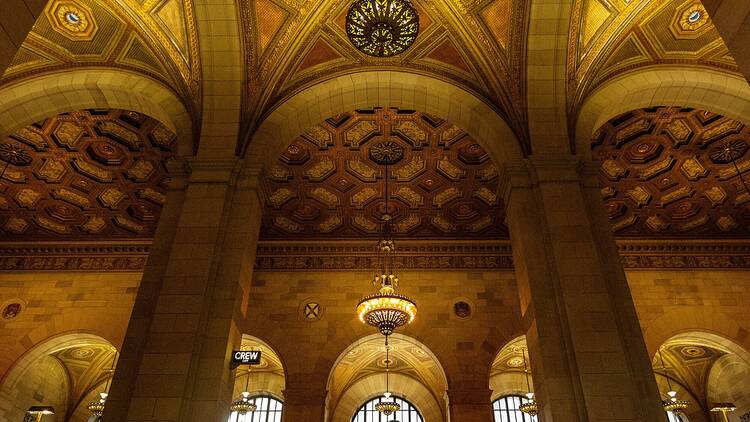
x,y
359,256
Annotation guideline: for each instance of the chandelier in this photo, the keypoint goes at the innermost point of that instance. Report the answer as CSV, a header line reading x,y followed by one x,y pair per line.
x,y
387,406
97,407
244,405
386,310
382,28
673,404
530,407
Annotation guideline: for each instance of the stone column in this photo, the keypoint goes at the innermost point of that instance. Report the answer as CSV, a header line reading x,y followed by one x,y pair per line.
x,y
303,403
732,19
181,370
470,405
587,353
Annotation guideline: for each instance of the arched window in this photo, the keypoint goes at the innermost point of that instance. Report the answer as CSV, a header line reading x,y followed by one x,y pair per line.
x,y
674,417
269,410
505,409
367,412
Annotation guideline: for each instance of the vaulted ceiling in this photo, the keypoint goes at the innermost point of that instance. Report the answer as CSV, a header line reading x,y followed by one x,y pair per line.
x,y
612,37
477,44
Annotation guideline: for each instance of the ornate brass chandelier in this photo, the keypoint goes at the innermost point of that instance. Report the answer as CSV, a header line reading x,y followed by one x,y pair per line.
x,y
672,404
244,405
386,310
530,407
387,405
382,28
97,407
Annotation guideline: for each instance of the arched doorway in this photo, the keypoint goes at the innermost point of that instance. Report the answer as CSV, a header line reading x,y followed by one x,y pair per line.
x,y
358,377
262,384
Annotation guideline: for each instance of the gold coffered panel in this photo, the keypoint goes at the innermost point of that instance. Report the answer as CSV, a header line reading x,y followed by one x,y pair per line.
x,y
612,37
156,38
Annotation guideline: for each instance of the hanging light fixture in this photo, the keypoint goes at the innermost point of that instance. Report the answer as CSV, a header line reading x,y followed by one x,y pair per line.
x,y
387,405
386,309
97,407
672,404
530,407
382,28
244,405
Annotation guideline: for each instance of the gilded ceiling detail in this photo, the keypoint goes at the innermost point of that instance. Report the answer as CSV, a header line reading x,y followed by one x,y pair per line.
x,y
611,37
478,45
87,366
664,174
96,174
688,364
154,37
326,185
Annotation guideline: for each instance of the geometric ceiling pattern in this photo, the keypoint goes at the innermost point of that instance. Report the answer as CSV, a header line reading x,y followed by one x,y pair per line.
x,y
91,175
326,185
663,174
88,366
611,37
475,44
155,38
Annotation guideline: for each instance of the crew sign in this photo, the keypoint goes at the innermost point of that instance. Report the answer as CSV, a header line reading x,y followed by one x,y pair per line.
x,y
245,357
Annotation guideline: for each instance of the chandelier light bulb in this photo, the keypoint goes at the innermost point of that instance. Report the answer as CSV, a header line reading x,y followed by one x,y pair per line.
x,y
530,396
387,395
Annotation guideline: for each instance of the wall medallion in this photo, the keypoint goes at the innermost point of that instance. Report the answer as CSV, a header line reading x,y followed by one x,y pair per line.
x,y
311,311
12,309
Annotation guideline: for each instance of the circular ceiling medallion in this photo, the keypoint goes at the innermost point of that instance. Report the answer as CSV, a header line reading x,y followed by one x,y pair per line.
x,y
386,152
82,352
11,310
693,18
515,362
693,351
13,154
382,28
730,151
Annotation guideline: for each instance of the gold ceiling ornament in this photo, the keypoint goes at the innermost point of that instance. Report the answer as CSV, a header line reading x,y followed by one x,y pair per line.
x,y
382,28
387,404
672,404
386,309
690,21
530,407
72,19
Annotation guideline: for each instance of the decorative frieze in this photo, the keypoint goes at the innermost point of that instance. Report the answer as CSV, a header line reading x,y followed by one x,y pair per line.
x,y
359,255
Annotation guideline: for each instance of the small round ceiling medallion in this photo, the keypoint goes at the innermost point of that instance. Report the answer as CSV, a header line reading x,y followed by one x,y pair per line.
x,y
690,22
386,152
693,351
11,310
13,154
382,28
515,362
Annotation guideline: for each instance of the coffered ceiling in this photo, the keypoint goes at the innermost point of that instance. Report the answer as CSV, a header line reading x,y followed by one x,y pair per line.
x,y
664,174
86,175
611,37
152,37
477,44
328,185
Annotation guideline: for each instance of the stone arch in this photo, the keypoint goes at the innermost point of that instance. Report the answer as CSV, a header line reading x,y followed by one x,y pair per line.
x,y
268,378
690,319
426,389
35,99
20,378
363,391
388,88
706,89
504,377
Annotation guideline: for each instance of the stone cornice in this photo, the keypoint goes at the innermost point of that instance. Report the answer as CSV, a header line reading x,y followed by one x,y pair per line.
x,y
358,255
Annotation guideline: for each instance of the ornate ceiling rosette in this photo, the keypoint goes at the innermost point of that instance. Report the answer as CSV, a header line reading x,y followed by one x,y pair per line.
x,y
670,172
85,175
382,28
329,182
